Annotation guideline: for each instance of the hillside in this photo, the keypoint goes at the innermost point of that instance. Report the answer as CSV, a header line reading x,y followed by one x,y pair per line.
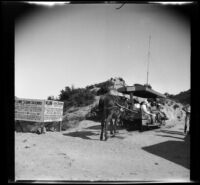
x,y
77,154
183,97
171,106
81,103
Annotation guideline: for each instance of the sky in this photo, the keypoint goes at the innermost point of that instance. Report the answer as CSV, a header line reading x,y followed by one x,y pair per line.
x,y
84,44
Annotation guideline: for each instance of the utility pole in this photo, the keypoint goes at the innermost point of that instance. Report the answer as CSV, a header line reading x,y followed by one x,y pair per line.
x,y
148,60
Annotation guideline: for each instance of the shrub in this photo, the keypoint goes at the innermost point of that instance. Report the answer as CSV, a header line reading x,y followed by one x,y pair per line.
x,y
51,98
94,114
90,87
104,87
179,117
176,106
102,90
161,101
76,97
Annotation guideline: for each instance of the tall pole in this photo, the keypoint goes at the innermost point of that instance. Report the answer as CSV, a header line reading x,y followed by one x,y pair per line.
x,y
148,60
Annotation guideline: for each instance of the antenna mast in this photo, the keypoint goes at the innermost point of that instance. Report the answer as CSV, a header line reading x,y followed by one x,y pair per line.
x,y
148,60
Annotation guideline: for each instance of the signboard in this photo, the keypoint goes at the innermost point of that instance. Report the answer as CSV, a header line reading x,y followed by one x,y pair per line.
x,y
29,110
53,110
38,110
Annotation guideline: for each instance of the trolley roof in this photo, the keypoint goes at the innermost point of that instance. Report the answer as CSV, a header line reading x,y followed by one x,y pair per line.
x,y
141,91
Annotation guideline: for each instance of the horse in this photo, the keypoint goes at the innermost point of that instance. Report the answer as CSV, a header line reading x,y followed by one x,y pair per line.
x,y
110,107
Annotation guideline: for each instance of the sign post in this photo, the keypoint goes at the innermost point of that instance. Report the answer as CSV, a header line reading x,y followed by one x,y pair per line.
x,y
53,111
29,110
39,110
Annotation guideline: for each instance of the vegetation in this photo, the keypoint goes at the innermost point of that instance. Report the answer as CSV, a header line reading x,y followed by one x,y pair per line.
x,y
176,106
51,98
76,97
162,101
182,97
84,96
94,114
104,87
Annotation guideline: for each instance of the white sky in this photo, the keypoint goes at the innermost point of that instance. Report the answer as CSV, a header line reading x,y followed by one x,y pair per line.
x,y
84,44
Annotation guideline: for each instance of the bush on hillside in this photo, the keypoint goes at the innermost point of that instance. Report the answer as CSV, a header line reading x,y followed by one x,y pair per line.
x,y
182,97
107,83
176,106
76,97
104,87
162,101
90,87
168,95
51,98
94,114
170,103
102,90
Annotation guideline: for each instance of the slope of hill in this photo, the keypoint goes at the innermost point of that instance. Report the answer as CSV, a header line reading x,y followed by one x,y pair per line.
x,y
182,97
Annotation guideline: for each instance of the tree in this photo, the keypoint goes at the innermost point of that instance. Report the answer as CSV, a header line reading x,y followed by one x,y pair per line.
x,y
76,97
50,98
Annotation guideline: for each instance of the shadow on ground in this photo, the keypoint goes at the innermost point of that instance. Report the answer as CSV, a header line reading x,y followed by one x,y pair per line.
x,y
117,137
86,135
98,127
171,132
170,136
174,151
81,134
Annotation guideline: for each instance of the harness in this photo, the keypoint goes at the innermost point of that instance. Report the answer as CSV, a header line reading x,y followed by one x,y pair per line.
x,y
125,108
118,105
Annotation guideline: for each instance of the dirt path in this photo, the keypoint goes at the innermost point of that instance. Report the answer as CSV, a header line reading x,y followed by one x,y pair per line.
x,y
78,154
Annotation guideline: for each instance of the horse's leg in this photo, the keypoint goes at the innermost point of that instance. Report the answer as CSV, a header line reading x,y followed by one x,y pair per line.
x,y
111,126
102,129
107,121
118,121
114,126
121,121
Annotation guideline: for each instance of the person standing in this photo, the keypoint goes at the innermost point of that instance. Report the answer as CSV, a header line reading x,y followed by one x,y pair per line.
x,y
145,111
187,119
136,104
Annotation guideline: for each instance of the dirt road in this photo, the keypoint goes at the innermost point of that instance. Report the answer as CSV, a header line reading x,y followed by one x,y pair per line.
x,y
78,154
